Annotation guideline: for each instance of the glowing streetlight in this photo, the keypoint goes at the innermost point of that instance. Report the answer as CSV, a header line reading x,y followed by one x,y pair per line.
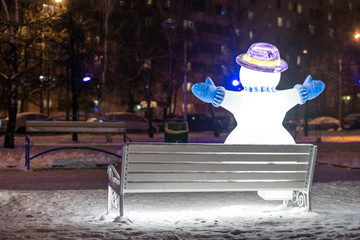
x,y
357,36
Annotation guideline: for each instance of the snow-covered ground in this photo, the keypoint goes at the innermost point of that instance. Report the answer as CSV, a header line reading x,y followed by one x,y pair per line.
x,y
76,212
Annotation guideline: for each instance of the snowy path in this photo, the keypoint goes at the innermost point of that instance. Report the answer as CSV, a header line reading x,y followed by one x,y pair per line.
x,y
70,214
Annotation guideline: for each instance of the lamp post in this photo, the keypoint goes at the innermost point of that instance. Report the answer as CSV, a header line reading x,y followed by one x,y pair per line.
x,y
339,102
167,25
306,119
185,72
148,96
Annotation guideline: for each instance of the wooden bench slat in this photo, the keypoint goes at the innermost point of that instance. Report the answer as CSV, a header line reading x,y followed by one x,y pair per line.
x,y
214,186
74,129
75,126
213,157
201,176
201,147
181,167
47,145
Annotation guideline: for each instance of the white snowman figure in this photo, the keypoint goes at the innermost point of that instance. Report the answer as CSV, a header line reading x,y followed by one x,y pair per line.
x,y
260,108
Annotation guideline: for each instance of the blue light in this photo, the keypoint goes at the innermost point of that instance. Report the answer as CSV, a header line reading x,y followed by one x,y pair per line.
x,y
357,79
235,82
86,79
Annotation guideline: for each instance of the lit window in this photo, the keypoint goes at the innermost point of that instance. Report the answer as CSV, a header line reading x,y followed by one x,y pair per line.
x,y
167,4
250,15
188,24
291,6
50,9
287,57
331,32
188,66
188,86
279,21
237,32
298,60
311,28
251,35
298,8
329,16
149,2
224,50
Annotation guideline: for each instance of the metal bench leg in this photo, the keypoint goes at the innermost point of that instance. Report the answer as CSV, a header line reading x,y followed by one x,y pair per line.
x,y
27,152
121,204
110,191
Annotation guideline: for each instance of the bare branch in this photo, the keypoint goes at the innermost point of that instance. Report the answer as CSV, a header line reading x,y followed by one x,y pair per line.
x,y
17,17
5,6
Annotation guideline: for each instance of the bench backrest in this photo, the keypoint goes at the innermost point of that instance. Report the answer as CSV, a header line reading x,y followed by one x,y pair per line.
x,y
174,167
75,127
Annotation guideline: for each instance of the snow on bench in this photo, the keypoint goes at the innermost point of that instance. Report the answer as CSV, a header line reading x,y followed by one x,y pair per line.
x,y
174,167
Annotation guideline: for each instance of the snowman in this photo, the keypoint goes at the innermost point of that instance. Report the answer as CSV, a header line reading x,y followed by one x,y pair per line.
x,y
260,108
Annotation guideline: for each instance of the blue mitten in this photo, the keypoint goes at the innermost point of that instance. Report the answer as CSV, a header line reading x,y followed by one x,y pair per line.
x,y
208,92
310,89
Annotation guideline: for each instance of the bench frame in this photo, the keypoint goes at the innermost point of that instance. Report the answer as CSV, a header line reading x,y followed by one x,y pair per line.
x,y
173,167
71,127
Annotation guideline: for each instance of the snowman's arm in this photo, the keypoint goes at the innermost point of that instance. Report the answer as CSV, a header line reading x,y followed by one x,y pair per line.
x,y
230,100
290,98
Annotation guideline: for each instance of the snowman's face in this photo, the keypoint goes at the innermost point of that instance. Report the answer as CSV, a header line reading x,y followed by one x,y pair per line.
x,y
252,78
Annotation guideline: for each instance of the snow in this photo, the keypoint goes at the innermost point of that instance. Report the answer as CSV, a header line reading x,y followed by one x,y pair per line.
x,y
70,202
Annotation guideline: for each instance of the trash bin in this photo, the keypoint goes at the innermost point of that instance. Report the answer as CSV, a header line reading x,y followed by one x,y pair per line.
x,y
176,132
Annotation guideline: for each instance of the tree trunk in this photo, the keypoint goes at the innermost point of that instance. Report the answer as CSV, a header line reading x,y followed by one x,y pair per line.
x,y
10,130
105,64
13,26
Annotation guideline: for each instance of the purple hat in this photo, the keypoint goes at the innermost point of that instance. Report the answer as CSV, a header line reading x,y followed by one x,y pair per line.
x,y
262,57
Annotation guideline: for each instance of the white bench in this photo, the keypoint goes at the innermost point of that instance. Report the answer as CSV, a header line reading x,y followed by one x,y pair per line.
x,y
54,127
174,167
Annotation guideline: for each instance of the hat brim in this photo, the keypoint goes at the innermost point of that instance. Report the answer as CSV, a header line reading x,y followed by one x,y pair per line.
x,y
281,67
